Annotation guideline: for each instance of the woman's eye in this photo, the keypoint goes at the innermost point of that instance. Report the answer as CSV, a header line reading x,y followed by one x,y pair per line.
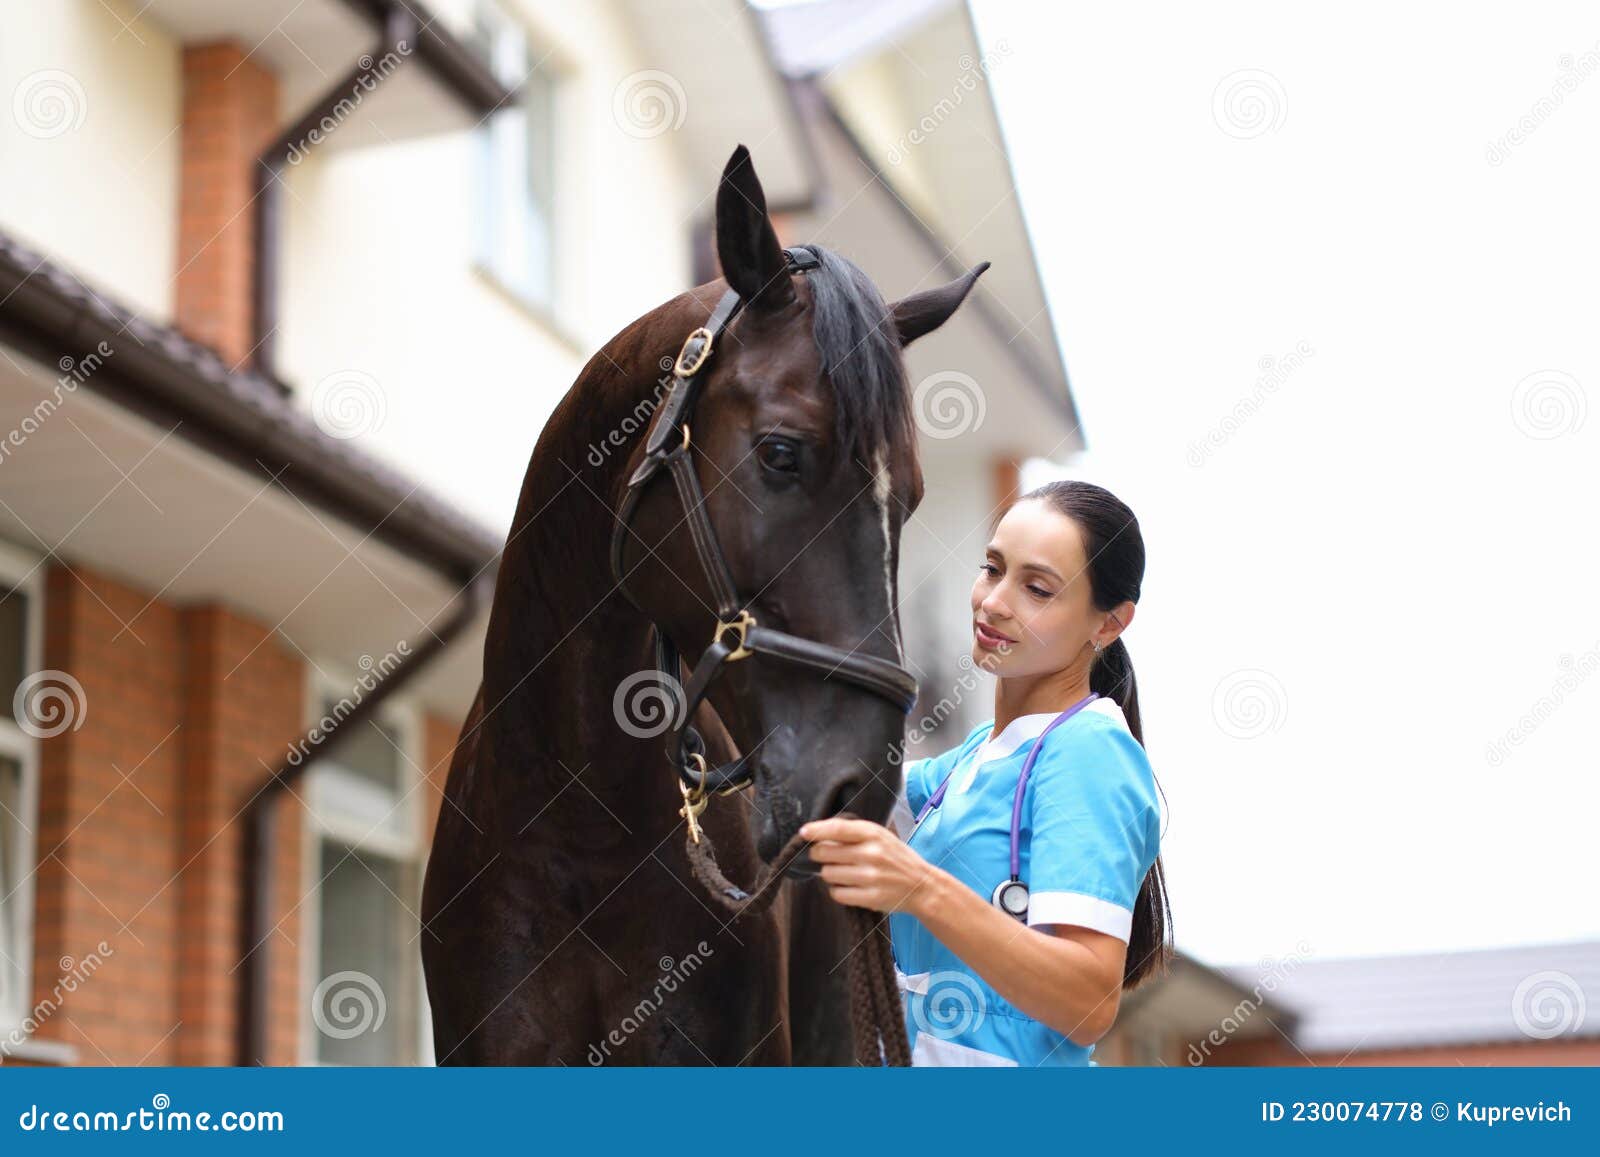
x,y
989,568
1037,593
779,456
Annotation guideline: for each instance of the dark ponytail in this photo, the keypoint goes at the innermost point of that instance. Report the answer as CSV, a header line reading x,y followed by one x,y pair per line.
x,y
1115,550
1112,676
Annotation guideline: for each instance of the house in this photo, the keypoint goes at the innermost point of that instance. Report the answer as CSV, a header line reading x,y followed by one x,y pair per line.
x,y
1527,1005
287,290
912,179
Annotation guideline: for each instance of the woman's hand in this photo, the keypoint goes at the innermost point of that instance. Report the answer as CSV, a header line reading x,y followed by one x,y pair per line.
x,y
867,865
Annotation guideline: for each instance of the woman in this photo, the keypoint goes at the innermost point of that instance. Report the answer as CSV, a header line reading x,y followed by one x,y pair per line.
x,y
1027,967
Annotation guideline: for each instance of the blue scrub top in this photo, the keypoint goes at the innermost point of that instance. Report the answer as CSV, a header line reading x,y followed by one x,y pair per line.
x,y
1090,831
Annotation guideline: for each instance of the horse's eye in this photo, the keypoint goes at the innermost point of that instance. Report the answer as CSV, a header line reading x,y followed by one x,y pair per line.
x,y
778,455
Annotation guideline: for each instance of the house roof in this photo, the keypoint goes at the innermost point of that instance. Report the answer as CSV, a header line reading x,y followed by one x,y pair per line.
x,y
235,414
706,73
1504,994
309,43
813,37
1192,999
905,84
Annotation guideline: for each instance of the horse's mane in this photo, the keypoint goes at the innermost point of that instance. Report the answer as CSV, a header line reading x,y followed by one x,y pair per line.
x,y
860,351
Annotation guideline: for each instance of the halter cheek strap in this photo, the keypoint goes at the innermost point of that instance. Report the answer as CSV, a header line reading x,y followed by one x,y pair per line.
x,y
737,635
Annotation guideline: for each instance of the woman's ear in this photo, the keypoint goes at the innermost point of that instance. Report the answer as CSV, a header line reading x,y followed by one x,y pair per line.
x,y
1118,620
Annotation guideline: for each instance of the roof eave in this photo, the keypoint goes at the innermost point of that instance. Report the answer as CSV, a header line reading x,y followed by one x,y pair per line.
x,y
236,416
1033,371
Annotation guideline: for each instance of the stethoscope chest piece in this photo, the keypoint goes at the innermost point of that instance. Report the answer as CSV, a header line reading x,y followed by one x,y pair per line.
x,y
1011,897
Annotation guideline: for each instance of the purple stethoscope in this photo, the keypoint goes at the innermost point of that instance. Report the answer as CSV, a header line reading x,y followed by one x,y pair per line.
x,y
1011,896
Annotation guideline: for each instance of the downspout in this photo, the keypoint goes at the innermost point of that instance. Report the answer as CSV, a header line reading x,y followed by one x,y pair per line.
x,y
256,924
399,39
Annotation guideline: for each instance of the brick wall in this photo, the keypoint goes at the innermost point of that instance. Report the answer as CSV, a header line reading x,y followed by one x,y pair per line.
x,y
230,113
137,839
106,854
244,698
1005,482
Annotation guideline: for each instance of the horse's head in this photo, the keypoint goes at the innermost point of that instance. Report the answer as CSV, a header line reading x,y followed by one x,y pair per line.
x,y
805,449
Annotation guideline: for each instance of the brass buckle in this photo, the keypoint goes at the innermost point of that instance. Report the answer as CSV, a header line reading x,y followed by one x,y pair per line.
x,y
689,361
694,799
742,623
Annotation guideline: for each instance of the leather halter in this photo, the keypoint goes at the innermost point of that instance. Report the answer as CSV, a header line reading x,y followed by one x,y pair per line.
x,y
669,445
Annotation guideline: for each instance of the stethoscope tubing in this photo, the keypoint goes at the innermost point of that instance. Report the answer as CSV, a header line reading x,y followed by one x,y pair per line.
x,y
937,797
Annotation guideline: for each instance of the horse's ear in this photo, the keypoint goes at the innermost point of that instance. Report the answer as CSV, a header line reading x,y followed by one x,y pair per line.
x,y
925,312
747,246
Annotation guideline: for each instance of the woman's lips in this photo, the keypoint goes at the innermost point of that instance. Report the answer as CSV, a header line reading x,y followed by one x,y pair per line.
x,y
990,639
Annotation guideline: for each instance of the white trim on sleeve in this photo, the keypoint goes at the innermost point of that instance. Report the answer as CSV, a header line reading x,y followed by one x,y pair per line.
x,y
932,1051
1084,911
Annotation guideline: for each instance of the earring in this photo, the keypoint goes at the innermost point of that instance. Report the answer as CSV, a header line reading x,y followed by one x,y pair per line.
x,y
1097,648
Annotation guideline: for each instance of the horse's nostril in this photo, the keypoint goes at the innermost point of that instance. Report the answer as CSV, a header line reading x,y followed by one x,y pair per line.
x,y
843,796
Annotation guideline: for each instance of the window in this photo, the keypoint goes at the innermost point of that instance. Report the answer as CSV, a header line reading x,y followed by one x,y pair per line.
x,y
19,654
363,986
516,162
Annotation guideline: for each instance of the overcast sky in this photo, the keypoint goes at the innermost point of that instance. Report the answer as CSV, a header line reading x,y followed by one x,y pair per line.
x,y
1328,290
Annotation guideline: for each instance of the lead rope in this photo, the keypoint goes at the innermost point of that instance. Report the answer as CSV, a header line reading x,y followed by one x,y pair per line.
x,y
876,1016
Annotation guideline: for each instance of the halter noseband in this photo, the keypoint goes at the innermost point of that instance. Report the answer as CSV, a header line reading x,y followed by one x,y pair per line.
x,y
664,447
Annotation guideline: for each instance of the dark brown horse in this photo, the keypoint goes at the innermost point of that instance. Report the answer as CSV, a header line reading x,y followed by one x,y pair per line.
x,y
562,922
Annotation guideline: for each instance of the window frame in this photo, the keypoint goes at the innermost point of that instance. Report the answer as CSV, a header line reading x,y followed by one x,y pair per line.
x,y
493,23
407,847
21,571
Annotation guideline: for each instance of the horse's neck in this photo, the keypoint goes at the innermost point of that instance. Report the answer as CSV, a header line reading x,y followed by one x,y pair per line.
x,y
562,638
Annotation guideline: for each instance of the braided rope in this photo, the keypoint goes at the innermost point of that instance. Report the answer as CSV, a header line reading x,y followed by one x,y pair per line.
x,y
876,1015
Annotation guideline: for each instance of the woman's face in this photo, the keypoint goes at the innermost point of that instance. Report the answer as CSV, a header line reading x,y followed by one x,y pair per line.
x,y
1031,608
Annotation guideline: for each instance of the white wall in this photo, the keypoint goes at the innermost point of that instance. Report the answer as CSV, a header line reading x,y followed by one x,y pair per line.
x,y
380,289
940,549
89,145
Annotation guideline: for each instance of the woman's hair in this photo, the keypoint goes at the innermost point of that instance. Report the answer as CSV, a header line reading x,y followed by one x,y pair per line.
x,y
1115,550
